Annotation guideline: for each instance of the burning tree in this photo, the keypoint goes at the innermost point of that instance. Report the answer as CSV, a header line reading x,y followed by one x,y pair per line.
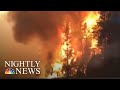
x,y
66,67
69,68
91,32
68,64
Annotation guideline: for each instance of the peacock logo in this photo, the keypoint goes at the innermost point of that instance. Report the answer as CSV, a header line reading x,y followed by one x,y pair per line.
x,y
9,71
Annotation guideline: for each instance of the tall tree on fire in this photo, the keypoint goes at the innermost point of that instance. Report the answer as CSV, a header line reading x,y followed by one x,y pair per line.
x,y
69,67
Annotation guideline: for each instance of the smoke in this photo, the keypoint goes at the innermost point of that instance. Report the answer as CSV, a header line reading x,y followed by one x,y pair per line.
x,y
43,25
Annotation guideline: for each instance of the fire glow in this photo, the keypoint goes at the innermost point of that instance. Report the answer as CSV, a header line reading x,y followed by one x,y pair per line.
x,y
90,31
68,62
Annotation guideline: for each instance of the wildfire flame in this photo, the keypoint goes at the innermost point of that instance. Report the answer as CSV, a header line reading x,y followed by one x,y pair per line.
x,y
67,54
91,30
56,70
66,65
91,34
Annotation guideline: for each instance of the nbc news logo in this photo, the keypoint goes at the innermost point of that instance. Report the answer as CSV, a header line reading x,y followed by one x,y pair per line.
x,y
9,71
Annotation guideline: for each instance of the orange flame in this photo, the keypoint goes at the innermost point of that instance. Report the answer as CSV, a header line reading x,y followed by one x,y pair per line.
x,y
89,33
65,50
